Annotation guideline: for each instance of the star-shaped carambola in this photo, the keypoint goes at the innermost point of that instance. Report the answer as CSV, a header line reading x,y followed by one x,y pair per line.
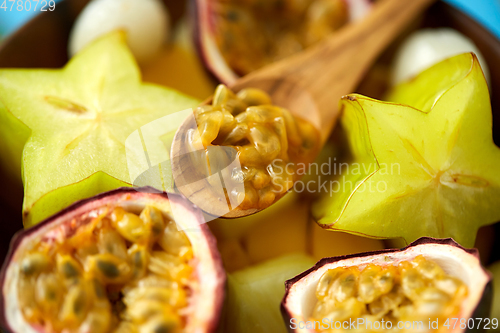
x,y
67,128
424,164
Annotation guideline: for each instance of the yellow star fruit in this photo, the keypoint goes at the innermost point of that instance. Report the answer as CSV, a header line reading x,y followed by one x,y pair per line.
x,y
67,127
424,163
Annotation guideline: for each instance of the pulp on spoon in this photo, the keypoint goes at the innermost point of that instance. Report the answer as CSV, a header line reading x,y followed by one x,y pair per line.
x,y
247,150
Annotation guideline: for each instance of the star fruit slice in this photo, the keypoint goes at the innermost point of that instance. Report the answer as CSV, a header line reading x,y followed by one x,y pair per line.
x,y
74,122
424,164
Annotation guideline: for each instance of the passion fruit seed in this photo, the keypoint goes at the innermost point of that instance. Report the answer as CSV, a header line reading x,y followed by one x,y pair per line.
x,y
416,289
131,276
111,242
269,140
35,263
272,30
73,309
130,226
109,268
140,257
68,267
153,220
175,242
47,293
253,96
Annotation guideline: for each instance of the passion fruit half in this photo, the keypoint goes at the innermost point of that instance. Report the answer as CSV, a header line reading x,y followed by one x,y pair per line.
x,y
122,261
421,287
235,37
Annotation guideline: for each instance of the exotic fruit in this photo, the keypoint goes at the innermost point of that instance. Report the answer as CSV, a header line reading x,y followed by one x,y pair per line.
x,y
423,164
431,285
117,262
235,37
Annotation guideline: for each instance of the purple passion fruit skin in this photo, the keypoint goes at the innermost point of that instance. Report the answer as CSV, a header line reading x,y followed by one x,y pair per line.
x,y
204,283
236,37
457,262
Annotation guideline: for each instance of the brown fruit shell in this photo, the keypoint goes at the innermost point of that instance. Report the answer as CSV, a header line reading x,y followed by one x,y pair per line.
x,y
209,53
453,258
209,275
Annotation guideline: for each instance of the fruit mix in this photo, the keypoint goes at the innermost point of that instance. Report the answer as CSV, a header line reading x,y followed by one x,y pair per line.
x,y
268,139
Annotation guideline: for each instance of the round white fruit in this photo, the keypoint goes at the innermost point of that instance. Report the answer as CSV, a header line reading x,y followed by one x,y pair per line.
x,y
358,9
145,21
426,47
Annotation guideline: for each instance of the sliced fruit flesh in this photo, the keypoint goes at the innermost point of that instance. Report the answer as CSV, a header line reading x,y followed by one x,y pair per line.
x,y
119,272
414,290
270,143
60,123
254,294
430,151
272,30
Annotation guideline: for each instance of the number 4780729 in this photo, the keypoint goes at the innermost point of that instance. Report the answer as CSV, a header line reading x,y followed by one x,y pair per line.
x,y
28,5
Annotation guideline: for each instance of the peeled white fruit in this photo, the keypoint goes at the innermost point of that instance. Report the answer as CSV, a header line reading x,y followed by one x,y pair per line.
x,y
426,47
358,9
145,21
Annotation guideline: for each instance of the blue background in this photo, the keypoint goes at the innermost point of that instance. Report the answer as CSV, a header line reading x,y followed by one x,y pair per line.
x,y
485,11
10,21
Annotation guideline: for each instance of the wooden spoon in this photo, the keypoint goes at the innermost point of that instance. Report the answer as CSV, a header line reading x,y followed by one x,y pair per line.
x,y
309,84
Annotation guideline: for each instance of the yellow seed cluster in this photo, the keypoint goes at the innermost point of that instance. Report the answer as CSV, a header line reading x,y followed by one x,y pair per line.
x,y
121,272
273,30
413,290
269,142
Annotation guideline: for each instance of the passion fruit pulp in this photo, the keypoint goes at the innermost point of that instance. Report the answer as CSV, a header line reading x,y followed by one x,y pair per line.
x,y
431,280
235,37
268,141
123,261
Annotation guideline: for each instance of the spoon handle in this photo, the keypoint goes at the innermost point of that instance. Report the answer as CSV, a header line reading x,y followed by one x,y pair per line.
x,y
335,67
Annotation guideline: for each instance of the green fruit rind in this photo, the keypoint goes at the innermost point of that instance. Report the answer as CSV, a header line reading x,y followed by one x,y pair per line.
x,y
98,182
430,152
79,117
254,294
13,136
